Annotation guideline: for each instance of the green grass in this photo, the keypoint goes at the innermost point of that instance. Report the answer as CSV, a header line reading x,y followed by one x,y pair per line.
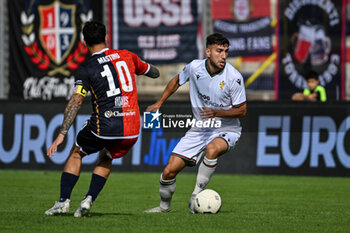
x,y
250,204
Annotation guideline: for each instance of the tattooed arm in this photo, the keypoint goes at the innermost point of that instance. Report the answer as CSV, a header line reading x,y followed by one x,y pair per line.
x,y
70,113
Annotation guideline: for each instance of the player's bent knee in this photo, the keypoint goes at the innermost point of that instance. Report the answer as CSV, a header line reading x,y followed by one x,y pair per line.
x,y
77,153
168,174
212,151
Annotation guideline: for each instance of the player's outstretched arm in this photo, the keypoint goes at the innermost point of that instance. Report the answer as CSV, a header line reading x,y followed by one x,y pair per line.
x,y
70,113
241,111
153,72
172,87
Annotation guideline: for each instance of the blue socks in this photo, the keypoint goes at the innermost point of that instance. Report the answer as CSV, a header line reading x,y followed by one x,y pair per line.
x,y
68,182
96,185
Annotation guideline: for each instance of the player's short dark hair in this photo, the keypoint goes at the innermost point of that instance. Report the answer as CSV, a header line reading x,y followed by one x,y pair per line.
x,y
217,39
312,75
94,33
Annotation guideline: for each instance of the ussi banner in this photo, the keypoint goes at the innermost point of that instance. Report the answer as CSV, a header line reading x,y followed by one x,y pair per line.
x,y
246,23
312,37
160,32
46,46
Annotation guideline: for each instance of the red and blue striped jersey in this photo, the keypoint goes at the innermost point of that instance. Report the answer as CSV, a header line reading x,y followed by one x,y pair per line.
x,y
110,77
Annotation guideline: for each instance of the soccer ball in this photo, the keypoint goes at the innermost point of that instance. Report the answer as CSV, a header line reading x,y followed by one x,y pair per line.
x,y
207,202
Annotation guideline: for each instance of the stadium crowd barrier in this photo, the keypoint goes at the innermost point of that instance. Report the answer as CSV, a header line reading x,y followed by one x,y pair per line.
x,y
277,138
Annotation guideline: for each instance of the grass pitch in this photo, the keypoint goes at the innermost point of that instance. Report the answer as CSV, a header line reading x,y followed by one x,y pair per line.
x,y
250,204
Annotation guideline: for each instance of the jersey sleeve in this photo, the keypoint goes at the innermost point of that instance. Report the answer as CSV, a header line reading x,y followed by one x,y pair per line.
x,y
141,67
82,82
238,97
323,94
185,74
306,91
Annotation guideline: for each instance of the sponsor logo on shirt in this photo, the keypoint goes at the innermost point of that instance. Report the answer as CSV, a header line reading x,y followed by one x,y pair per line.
x,y
110,113
206,100
121,102
203,97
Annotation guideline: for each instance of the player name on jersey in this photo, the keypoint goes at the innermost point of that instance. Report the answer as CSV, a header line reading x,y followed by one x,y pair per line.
x,y
108,58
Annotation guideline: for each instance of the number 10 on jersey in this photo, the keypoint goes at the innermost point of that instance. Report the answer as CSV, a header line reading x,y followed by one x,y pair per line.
x,y
122,70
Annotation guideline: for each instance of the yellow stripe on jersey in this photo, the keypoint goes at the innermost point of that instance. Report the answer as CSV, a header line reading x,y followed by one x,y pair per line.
x,y
97,111
80,90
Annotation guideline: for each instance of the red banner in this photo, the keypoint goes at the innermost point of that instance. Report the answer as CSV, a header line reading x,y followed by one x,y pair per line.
x,y
247,25
233,9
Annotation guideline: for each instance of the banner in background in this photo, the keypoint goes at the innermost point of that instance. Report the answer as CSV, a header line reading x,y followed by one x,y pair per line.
x,y
246,23
275,139
348,18
46,46
160,32
312,37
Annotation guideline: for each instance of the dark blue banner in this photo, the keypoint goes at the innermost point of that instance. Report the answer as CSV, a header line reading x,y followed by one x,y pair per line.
x,y
312,38
160,33
46,46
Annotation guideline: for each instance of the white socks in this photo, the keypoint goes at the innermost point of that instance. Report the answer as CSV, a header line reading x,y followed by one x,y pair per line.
x,y
167,187
205,171
166,191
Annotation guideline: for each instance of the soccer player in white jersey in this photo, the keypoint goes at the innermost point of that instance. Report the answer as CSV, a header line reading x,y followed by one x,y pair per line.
x,y
217,92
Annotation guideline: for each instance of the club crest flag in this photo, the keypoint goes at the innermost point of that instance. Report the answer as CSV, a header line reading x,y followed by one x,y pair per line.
x,y
57,29
46,46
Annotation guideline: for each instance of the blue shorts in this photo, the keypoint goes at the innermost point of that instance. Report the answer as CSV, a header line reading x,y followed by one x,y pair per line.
x,y
90,143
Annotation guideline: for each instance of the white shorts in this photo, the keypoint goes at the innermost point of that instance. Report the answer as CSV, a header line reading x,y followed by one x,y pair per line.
x,y
192,146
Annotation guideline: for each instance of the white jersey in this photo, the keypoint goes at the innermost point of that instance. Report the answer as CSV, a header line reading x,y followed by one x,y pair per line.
x,y
221,91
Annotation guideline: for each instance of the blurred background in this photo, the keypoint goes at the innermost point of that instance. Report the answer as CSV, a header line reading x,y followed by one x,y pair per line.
x,y
274,44
41,48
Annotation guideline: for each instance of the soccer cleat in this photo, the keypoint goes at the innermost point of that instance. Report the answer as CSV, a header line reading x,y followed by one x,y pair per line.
x,y
58,208
191,204
84,207
157,209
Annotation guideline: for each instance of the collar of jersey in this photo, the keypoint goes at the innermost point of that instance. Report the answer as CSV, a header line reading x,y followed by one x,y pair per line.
x,y
100,52
212,76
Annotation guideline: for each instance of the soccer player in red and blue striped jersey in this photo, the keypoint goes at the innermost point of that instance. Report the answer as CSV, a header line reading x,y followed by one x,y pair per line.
x,y
114,125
